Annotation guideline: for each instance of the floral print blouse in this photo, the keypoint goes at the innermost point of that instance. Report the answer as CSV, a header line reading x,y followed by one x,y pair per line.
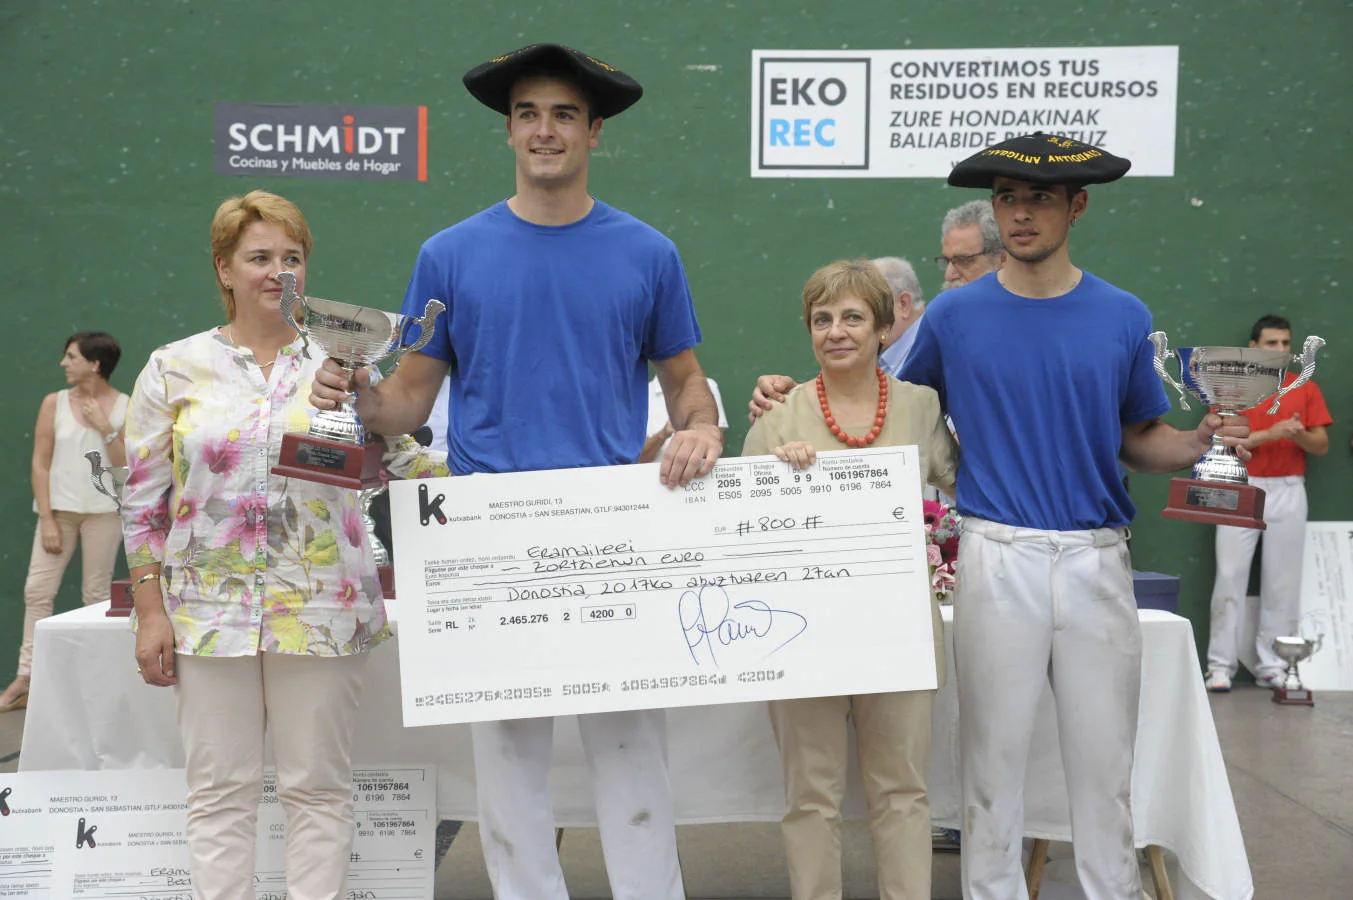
x,y
250,561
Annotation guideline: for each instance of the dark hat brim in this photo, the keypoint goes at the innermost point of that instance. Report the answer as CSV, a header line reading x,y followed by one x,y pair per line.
x,y
609,90
1040,159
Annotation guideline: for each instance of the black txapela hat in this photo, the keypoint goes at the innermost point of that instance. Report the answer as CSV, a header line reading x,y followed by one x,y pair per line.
x,y
610,90
1040,159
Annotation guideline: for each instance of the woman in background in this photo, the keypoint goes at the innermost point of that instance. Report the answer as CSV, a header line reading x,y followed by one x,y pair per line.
x,y
86,416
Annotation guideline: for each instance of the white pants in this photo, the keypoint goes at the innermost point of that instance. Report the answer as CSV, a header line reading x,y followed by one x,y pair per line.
x,y
309,706
627,755
1279,577
1032,605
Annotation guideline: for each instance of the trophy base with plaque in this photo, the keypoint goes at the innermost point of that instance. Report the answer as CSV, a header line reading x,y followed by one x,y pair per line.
x,y
325,461
387,578
1299,697
120,601
1196,500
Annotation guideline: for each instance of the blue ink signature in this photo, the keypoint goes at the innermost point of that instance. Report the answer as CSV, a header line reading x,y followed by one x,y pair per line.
x,y
709,618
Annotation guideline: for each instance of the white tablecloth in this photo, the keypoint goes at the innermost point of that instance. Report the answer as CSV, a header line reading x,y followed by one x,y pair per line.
x,y
88,709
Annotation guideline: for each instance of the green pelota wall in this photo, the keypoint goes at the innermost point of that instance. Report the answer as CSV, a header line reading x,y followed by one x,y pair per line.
x,y
107,183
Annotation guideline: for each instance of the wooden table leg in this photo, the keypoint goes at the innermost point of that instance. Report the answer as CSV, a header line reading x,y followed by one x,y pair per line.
x,y
1038,858
1156,860
558,838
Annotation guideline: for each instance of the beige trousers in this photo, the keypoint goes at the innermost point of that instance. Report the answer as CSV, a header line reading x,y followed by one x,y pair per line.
x,y
309,707
893,736
99,535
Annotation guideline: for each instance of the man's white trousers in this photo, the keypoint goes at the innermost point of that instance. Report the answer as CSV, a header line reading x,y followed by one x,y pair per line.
x,y
627,756
1031,606
1279,578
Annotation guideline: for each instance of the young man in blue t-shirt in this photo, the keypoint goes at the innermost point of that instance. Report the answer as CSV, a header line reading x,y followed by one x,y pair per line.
x,y
1046,372
555,305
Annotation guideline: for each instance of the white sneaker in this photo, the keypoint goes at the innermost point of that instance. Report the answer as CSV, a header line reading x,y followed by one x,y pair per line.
x,y
1217,681
1272,681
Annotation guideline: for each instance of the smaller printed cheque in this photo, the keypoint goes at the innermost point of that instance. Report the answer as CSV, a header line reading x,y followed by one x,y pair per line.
x,y
588,590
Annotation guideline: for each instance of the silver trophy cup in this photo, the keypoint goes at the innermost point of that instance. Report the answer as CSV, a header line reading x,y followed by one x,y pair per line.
x,y
116,475
1230,380
1293,649
353,336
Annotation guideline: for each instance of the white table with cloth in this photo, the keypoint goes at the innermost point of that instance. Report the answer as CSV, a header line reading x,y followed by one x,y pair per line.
x,y
88,709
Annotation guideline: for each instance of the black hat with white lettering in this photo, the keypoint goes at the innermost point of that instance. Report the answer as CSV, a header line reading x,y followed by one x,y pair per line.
x,y
609,91
1040,158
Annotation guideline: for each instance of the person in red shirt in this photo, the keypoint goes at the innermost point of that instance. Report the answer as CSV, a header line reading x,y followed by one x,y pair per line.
x,y
1279,444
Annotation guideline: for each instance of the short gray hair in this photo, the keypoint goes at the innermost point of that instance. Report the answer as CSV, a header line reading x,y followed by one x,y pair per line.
x,y
975,212
901,277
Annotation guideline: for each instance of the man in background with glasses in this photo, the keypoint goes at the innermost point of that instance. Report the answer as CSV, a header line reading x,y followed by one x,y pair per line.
x,y
970,245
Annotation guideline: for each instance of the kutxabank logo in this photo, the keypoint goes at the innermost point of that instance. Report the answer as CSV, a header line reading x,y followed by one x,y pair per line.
x,y
84,834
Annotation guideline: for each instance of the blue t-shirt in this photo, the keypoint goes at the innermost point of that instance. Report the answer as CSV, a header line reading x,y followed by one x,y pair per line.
x,y
1038,391
548,331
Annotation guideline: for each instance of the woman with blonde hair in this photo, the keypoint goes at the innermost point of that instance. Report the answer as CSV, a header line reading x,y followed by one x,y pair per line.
x,y
256,595
848,308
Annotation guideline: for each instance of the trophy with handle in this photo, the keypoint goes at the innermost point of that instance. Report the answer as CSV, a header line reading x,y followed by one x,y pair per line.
x,y
1228,380
1293,649
334,450
1296,648
120,598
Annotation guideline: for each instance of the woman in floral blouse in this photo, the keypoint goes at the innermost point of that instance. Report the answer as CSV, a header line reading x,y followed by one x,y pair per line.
x,y
255,594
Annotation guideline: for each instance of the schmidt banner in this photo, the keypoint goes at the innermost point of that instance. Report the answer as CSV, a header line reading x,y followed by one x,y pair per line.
x,y
914,113
380,142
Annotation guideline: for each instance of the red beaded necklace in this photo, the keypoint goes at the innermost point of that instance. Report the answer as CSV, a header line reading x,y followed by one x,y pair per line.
x,y
841,436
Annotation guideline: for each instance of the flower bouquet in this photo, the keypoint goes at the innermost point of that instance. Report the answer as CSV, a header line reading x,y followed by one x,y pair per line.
x,y
941,537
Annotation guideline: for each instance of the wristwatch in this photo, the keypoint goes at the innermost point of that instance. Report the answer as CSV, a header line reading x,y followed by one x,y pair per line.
x,y
109,436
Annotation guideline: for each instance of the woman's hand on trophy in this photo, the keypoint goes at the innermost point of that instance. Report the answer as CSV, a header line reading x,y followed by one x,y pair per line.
x,y
1233,431
155,648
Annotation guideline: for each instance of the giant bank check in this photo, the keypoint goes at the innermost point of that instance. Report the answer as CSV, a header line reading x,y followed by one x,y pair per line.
x,y
587,590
